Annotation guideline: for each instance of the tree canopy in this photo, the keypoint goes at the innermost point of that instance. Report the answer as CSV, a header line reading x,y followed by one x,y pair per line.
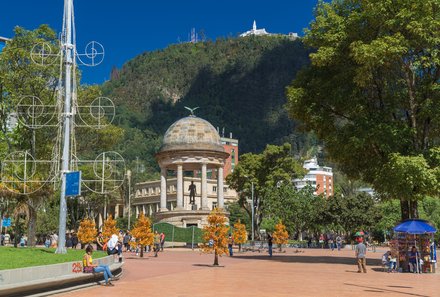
x,y
372,93
273,167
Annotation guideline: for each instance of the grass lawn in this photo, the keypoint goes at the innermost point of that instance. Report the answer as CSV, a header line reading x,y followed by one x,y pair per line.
x,y
11,257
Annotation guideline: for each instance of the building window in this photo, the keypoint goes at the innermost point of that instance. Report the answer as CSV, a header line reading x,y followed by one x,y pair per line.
x,y
225,190
214,205
214,189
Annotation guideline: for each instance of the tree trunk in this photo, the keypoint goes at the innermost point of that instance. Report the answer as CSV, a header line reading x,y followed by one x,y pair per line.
x,y
404,209
16,232
32,227
300,235
413,210
280,246
142,251
215,259
239,247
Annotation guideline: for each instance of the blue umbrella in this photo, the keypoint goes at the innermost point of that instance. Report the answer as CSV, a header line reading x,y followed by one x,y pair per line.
x,y
415,226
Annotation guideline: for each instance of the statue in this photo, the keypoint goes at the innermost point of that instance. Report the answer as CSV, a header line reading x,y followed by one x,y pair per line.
x,y
192,193
191,110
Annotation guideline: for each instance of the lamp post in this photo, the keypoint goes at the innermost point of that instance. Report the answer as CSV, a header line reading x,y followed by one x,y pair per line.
x,y
253,208
129,197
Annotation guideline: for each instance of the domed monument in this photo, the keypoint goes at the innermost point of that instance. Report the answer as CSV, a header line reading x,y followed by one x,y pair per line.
x,y
192,159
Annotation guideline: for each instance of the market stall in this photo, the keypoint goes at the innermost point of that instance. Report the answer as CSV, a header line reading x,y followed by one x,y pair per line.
x,y
415,233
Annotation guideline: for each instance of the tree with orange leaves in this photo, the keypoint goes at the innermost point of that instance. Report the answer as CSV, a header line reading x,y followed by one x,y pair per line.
x,y
240,234
87,231
142,233
215,235
109,228
280,236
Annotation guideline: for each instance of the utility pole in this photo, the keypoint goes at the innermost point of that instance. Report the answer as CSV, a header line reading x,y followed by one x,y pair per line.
x,y
68,50
129,197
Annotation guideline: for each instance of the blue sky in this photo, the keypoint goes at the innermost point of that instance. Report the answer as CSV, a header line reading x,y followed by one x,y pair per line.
x,y
130,27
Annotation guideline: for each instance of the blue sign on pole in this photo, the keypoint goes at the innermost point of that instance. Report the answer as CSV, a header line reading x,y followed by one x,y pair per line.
x,y
6,222
73,183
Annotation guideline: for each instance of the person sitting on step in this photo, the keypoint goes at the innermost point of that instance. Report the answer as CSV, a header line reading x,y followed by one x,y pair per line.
x,y
89,267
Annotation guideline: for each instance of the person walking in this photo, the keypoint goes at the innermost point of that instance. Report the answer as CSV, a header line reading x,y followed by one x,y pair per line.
x,y
330,243
126,241
162,241
230,244
269,244
361,256
339,242
156,243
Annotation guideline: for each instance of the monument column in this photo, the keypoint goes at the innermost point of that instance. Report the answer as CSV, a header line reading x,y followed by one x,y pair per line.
x,y
204,191
163,189
220,194
179,187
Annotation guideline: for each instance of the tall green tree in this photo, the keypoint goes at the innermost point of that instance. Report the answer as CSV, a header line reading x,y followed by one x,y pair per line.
x,y
274,166
21,77
351,213
372,93
299,210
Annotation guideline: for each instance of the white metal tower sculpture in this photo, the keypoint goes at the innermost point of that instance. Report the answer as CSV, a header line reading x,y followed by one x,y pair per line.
x,y
108,169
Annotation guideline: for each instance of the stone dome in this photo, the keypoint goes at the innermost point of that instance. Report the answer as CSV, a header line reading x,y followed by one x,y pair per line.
x,y
191,133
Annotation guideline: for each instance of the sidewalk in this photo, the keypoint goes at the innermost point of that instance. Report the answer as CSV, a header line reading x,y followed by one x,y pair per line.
x,y
314,272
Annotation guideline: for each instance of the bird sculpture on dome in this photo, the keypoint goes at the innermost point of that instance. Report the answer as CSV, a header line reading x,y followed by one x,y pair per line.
x,y
191,110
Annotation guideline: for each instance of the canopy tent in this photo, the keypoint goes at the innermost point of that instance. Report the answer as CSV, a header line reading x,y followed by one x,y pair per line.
x,y
417,231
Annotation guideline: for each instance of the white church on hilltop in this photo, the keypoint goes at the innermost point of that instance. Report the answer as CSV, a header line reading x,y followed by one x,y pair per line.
x,y
263,32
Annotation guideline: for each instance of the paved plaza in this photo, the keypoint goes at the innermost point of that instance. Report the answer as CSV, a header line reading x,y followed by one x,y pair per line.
x,y
310,272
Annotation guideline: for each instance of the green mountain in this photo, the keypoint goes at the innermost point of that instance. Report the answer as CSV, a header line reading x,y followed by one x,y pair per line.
x,y
238,83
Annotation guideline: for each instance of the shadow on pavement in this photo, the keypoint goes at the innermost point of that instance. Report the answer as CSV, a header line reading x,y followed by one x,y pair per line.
x,y
384,290
207,265
311,259
136,258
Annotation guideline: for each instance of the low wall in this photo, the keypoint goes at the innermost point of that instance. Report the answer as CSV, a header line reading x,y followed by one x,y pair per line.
x,y
15,282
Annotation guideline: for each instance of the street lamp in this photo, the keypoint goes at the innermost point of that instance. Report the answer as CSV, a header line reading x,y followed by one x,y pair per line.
x,y
129,197
253,208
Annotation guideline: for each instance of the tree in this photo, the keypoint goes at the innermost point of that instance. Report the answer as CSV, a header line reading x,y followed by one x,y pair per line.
x,y
109,228
87,231
371,93
388,212
280,236
142,233
274,166
352,213
239,234
300,210
20,78
215,235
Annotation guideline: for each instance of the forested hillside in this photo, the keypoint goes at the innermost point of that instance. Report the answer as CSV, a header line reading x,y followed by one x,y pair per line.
x,y
239,85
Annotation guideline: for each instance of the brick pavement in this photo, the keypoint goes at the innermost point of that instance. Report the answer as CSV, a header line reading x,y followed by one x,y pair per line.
x,y
313,272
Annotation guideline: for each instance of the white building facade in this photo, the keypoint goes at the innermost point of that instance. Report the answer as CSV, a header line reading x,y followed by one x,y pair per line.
x,y
319,177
